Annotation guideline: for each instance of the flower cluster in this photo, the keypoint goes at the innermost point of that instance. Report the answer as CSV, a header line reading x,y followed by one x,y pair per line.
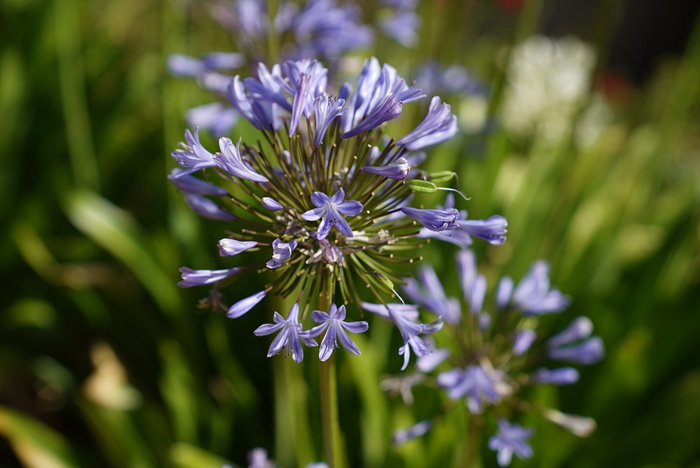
x,y
489,357
318,29
326,195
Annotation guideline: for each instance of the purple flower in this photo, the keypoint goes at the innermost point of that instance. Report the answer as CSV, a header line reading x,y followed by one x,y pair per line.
x,y
560,376
207,208
388,110
439,125
216,118
533,294
271,204
404,317
281,251
188,183
258,112
430,294
230,161
244,305
479,384
192,277
230,247
329,210
398,170
493,230
473,284
325,30
326,109
268,86
523,340
336,326
402,26
588,351
509,440
434,220
402,436
578,329
301,100
290,335
257,458
461,229
378,92
193,156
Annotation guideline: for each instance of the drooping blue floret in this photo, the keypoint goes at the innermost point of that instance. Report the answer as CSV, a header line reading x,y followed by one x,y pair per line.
x,y
439,125
290,336
281,251
511,439
336,328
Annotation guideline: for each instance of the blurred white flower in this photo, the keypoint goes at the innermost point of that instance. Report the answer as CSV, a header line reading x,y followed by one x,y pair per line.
x,y
549,82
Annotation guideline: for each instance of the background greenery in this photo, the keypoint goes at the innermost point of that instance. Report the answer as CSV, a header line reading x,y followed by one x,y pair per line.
x,y
105,362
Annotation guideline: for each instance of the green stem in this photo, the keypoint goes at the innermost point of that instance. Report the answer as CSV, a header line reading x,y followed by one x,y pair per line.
x,y
470,457
329,408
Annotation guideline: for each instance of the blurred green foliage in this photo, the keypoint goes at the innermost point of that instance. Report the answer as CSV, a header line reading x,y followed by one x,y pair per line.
x,y
105,362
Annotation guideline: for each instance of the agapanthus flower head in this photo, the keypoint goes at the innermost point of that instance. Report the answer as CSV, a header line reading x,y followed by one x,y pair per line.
x,y
497,347
323,196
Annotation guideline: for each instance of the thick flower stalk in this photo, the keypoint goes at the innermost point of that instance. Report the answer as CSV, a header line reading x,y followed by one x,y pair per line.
x,y
320,203
488,354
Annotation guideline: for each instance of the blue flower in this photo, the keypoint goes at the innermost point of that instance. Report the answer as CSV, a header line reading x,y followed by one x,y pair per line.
x,y
326,109
479,384
434,220
439,125
281,251
188,183
192,277
462,229
336,326
216,117
402,436
588,351
533,294
523,340
329,210
230,160
389,109
207,208
230,247
193,156
290,335
405,318
398,170
244,305
511,439
493,230
402,26
271,204
430,294
560,376
307,177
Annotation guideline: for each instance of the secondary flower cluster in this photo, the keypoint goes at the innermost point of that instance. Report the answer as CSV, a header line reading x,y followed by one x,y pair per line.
x,y
489,357
325,195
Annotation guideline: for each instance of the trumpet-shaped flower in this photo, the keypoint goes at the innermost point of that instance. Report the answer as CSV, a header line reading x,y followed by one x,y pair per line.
x,y
290,335
510,440
336,328
330,210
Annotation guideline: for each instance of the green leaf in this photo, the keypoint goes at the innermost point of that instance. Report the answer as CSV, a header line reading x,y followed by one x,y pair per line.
x,y
34,443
